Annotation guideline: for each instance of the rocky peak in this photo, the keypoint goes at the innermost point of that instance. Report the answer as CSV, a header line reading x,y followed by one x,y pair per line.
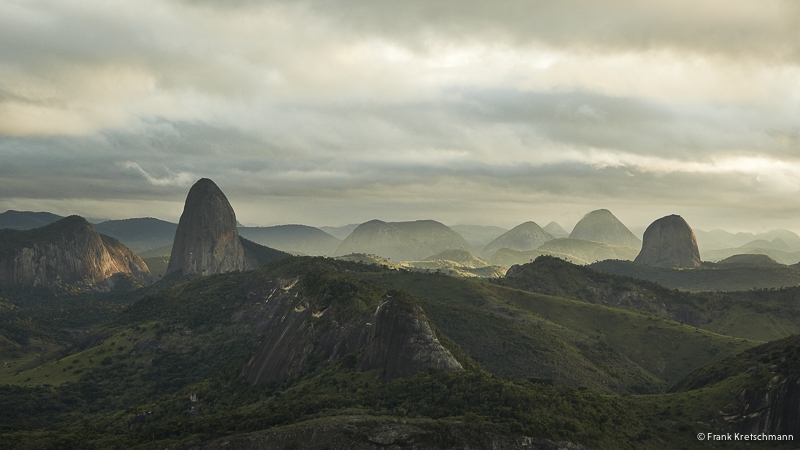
x,y
669,241
397,338
206,241
67,251
402,341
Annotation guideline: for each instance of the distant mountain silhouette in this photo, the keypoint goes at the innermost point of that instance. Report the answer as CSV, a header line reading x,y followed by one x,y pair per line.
x,y
478,235
523,237
340,232
402,241
297,239
576,251
26,220
139,234
556,230
602,226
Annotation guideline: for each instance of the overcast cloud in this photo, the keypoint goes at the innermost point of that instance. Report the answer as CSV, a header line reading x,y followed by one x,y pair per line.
x,y
339,111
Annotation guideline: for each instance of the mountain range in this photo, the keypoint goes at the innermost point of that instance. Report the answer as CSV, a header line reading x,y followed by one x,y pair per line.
x,y
239,345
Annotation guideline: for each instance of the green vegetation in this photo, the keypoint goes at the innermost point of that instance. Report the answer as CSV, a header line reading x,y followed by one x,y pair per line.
x,y
711,278
760,315
577,251
163,369
661,351
157,265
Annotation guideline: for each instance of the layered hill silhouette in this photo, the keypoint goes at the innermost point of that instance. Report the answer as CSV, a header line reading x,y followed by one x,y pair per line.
x,y
296,239
402,241
139,234
556,230
340,232
523,237
602,226
26,220
478,235
68,251
577,251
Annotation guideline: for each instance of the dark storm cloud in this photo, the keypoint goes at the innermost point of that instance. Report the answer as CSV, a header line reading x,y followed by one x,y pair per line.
x,y
344,109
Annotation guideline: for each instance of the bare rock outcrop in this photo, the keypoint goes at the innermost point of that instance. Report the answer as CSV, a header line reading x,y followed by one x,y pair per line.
x,y
397,338
669,242
68,251
402,341
206,241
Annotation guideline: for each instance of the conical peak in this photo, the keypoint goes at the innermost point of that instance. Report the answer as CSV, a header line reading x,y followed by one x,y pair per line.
x,y
602,226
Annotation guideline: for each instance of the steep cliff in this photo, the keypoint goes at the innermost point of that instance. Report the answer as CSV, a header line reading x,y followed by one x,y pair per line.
x,y
67,251
766,387
324,317
206,241
401,342
670,242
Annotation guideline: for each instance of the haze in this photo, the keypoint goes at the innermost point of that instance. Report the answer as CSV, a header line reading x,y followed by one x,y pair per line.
x,y
334,112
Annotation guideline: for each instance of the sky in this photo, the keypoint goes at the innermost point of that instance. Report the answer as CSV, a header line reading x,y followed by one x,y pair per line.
x,y
328,112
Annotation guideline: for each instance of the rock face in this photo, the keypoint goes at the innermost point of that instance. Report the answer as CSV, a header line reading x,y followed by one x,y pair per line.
x,y
206,241
772,409
402,342
402,241
397,338
67,251
602,226
669,242
523,237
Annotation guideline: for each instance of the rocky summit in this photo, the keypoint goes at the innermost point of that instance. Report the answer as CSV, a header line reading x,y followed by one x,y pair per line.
x,y
206,241
68,251
670,242
602,226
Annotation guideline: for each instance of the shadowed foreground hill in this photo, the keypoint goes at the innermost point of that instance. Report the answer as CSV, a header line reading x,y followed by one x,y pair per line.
x,y
757,315
166,372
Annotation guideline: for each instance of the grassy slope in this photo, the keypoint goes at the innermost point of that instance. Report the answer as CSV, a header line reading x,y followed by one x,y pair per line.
x,y
762,315
664,348
96,405
713,279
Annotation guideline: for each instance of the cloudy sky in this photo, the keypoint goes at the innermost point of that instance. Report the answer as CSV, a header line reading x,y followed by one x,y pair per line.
x,y
338,111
